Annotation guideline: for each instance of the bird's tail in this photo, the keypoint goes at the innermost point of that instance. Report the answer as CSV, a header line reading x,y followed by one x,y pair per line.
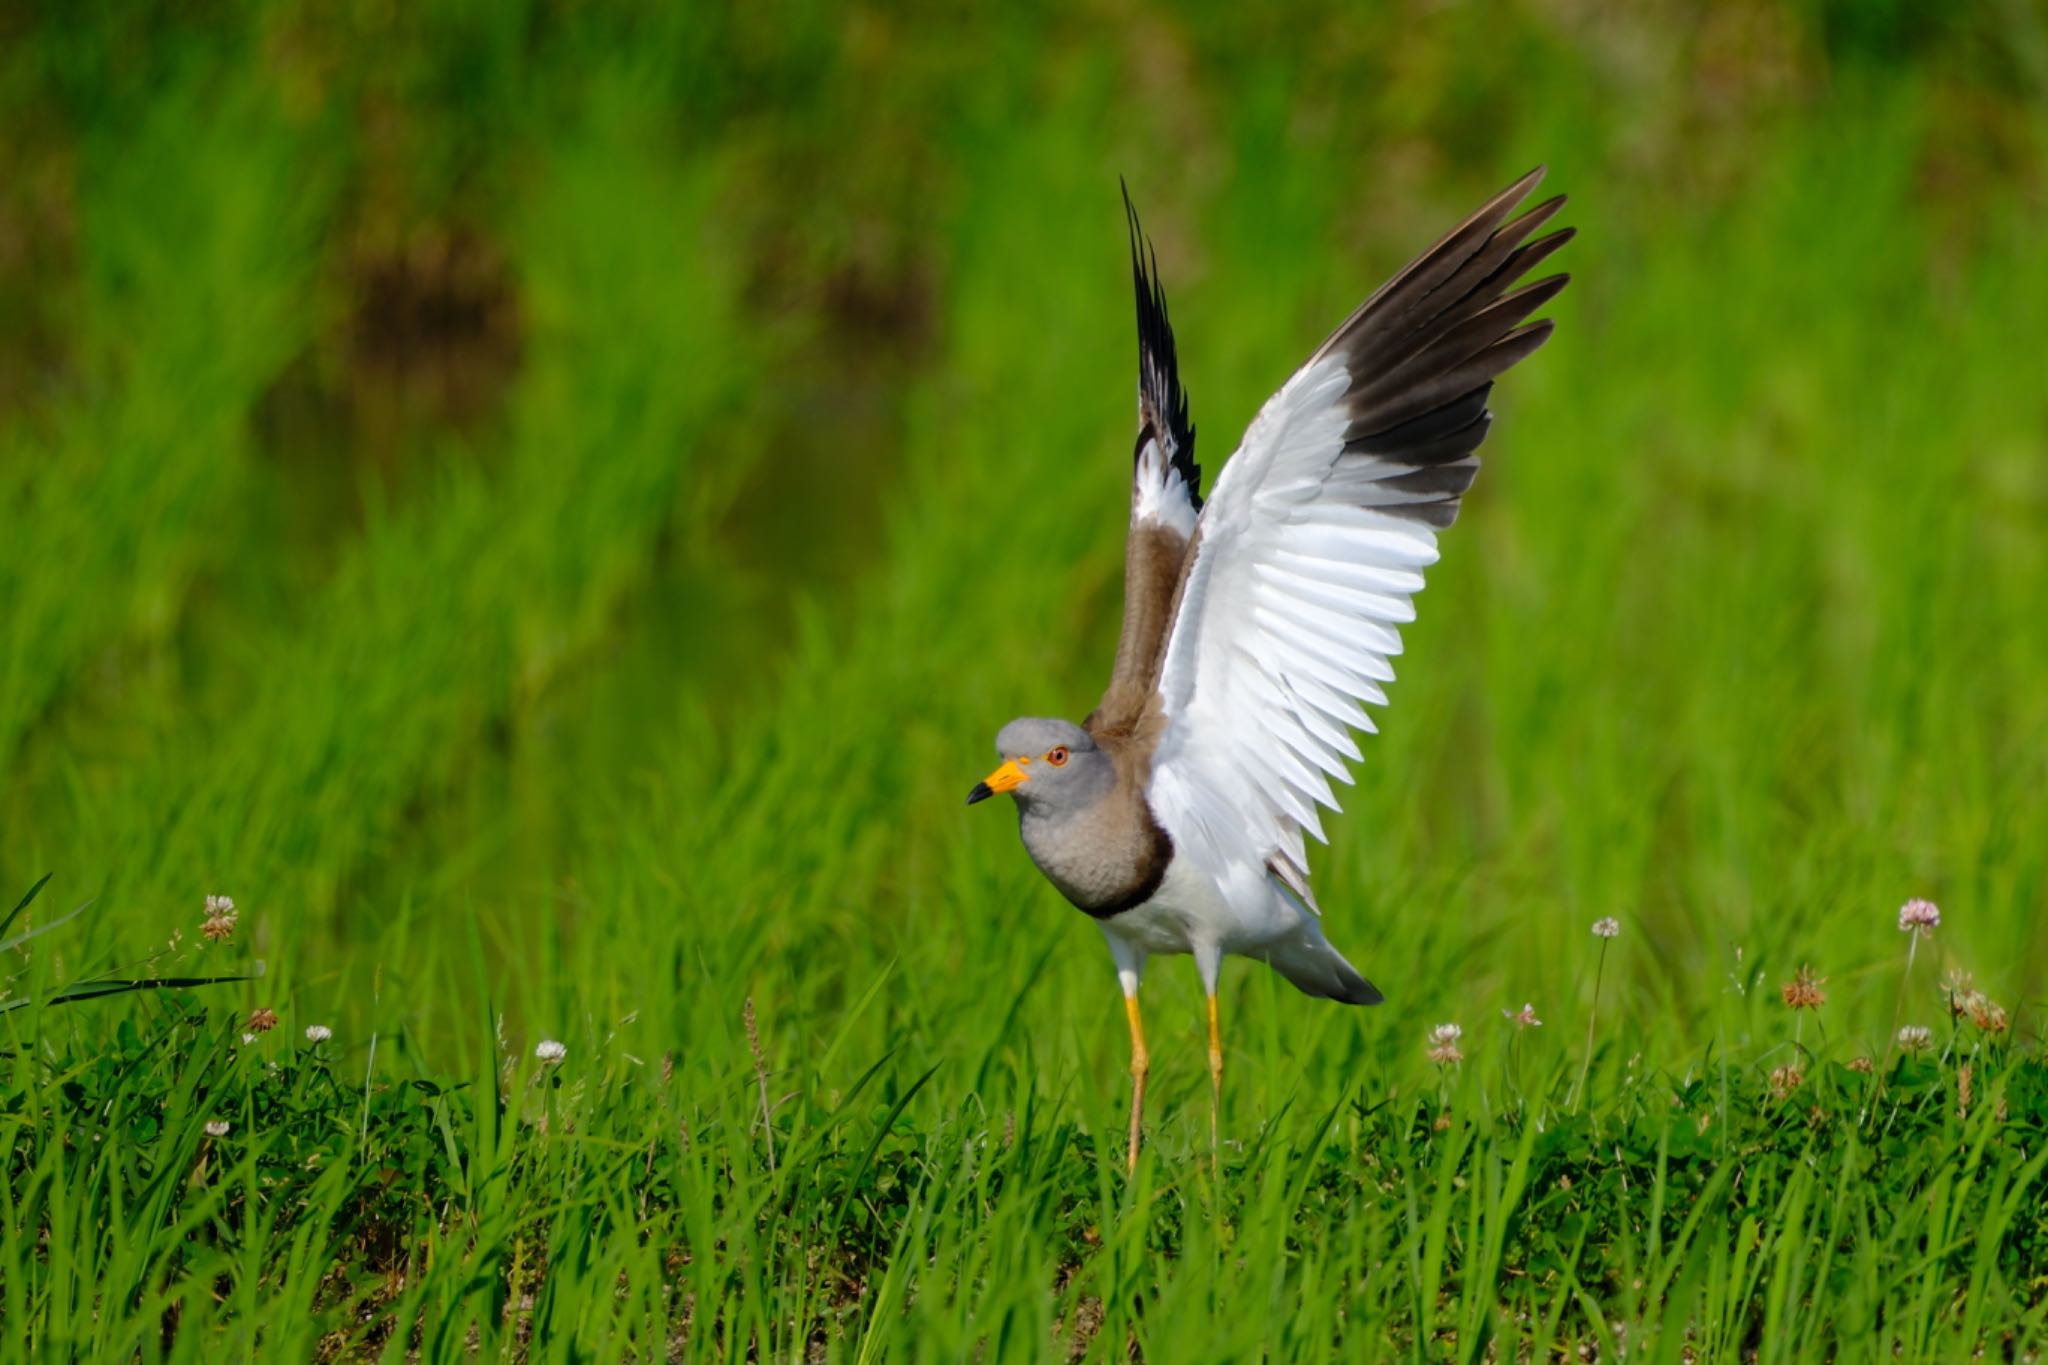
x,y
1306,958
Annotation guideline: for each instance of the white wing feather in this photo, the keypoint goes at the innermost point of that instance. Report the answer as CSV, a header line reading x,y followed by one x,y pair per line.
x,y
1311,547
1288,621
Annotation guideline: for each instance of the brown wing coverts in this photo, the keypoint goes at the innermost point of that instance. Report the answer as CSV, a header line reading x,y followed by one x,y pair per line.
x,y
1424,351
1155,556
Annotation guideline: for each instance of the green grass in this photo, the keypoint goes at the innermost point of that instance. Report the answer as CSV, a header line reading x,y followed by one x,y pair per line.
x,y
625,673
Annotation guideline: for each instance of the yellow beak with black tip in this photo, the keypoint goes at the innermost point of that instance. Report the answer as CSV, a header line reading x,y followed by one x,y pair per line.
x,y
1009,777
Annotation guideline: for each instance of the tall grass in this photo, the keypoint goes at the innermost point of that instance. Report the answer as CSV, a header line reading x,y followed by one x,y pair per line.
x,y
652,691
195,240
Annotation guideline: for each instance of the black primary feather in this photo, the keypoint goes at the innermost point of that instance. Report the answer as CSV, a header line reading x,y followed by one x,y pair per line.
x,y
1162,402
1424,350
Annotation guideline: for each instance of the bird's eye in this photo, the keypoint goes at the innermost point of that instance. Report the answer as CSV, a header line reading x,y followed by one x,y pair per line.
x,y
1058,757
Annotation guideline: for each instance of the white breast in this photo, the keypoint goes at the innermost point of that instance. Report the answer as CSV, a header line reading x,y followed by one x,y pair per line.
x,y
1191,908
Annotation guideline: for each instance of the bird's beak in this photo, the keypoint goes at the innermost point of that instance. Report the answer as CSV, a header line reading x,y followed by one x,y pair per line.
x,y
1006,778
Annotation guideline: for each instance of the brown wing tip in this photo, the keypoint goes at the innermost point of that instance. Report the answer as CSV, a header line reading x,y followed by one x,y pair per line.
x,y
1535,294
1515,193
1525,339
1489,216
1538,214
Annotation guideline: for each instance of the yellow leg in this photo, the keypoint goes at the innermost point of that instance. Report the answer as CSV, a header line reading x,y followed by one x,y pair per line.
x,y
1141,1062
1215,1089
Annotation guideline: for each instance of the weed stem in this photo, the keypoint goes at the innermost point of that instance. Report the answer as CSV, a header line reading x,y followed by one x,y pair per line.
x,y
761,1077
1592,1018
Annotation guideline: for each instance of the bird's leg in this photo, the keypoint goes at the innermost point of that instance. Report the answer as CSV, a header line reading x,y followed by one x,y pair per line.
x,y
1141,1062
1130,971
1215,1089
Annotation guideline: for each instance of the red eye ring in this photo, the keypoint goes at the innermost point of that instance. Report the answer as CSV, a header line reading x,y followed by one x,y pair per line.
x,y
1058,757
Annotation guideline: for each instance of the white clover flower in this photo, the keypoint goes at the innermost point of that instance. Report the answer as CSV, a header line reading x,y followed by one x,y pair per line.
x,y
550,1052
217,1128
1523,1018
1915,1037
1443,1045
318,1033
1606,928
1920,917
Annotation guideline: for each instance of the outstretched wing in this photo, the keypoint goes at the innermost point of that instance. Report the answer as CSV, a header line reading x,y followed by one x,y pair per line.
x,y
1312,546
1165,501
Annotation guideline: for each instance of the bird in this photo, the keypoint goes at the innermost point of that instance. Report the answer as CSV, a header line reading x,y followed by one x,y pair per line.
x,y
1259,624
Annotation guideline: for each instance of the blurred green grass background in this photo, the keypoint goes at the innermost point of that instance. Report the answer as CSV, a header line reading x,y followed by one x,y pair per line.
x,y
606,482
548,506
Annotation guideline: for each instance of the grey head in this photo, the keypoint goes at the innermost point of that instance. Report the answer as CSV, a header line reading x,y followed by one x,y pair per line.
x,y
1050,767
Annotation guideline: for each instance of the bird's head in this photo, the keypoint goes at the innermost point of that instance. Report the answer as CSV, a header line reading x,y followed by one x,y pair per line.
x,y
1046,762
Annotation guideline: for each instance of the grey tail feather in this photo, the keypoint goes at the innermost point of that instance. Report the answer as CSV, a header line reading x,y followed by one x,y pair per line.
x,y
1315,968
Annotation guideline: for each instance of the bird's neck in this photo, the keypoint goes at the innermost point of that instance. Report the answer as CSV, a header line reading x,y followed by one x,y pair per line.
x,y
1106,857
